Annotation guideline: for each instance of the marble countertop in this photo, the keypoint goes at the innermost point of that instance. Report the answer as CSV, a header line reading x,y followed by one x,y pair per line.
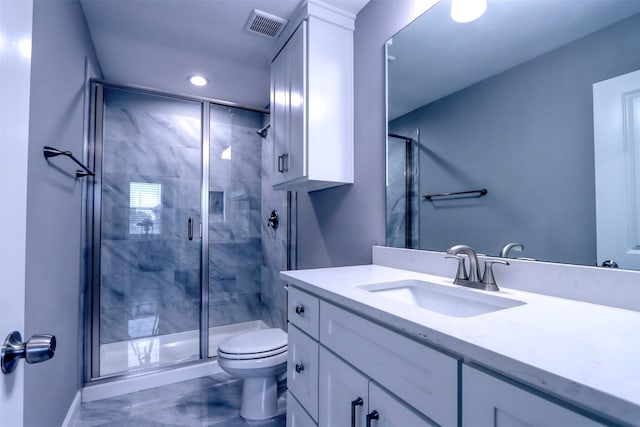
x,y
584,353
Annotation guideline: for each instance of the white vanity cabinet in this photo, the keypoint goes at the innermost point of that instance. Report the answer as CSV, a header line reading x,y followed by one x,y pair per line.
x,y
489,401
296,415
312,108
347,398
355,368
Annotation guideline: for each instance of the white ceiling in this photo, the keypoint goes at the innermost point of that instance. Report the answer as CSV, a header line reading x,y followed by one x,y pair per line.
x,y
159,43
435,56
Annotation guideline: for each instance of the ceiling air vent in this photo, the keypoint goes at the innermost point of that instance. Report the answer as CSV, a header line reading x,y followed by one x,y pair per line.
x,y
265,24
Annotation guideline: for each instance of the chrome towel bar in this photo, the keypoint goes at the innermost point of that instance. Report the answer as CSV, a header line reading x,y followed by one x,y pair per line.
x,y
53,152
471,193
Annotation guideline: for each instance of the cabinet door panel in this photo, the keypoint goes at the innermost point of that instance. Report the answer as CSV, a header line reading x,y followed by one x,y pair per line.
x,y
488,401
296,160
392,412
423,377
340,384
302,370
279,115
296,415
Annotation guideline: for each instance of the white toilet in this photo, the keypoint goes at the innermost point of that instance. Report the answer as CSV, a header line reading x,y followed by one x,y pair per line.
x,y
260,358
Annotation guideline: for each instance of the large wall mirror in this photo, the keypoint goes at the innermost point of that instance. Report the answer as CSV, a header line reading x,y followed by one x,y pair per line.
x,y
502,110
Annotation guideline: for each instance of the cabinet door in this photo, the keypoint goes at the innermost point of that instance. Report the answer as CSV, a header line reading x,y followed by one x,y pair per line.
x,y
302,370
296,157
343,393
296,415
488,401
392,412
279,112
424,378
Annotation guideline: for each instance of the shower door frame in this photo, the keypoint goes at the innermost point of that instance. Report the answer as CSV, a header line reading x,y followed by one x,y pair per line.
x,y
93,237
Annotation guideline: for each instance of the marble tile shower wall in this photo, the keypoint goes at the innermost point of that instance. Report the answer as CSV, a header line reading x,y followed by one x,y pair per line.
x,y
149,282
157,275
274,242
235,250
396,198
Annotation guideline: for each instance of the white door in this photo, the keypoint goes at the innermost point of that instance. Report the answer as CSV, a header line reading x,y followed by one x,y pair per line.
x,y
616,117
15,73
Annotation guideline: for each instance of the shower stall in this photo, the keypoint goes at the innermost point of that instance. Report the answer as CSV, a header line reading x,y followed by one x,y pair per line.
x,y
182,252
403,191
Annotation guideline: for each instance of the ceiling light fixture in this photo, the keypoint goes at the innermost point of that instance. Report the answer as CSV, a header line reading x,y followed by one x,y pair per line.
x,y
198,80
464,11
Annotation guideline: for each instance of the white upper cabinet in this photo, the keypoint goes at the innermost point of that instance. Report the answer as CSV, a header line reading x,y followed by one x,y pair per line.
x,y
312,107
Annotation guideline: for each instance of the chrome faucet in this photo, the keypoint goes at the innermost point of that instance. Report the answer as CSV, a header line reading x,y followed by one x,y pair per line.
x,y
472,280
504,253
474,269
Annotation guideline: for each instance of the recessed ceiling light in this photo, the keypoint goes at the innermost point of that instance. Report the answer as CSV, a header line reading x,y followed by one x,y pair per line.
x,y
198,80
464,11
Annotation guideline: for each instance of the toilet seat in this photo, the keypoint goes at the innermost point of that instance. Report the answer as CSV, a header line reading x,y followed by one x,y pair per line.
x,y
254,345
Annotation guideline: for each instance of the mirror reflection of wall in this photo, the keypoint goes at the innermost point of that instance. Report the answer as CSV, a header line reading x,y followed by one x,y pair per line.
x,y
525,133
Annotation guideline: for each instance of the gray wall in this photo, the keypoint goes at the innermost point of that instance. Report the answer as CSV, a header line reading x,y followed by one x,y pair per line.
x,y
527,136
338,226
60,44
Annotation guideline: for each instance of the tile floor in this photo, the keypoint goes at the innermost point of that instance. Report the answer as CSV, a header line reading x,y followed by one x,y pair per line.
x,y
208,401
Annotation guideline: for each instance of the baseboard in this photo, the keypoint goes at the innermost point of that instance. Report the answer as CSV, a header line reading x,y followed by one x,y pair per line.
x,y
119,387
72,413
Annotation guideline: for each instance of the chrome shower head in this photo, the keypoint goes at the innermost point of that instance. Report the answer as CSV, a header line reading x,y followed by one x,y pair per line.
x,y
263,132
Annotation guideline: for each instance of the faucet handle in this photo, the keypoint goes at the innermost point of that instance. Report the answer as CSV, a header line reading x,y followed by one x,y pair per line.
x,y
462,270
488,279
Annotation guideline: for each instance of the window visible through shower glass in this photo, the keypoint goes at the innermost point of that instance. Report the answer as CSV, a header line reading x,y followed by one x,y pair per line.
x,y
149,267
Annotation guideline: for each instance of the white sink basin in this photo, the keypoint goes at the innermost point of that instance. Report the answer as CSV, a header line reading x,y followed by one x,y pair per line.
x,y
452,301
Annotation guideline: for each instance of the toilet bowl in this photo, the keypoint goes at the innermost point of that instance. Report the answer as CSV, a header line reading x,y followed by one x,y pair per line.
x,y
259,358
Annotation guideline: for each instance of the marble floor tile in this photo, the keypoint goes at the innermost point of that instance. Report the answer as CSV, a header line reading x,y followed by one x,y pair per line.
x,y
207,401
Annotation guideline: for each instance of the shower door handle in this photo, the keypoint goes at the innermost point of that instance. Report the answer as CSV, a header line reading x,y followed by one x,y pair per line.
x,y
190,229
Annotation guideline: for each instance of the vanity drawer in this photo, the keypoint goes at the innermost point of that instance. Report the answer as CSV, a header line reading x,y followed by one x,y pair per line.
x,y
302,370
303,311
421,376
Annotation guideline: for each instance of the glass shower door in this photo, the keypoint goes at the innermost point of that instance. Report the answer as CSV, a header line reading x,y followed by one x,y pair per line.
x,y
236,224
150,245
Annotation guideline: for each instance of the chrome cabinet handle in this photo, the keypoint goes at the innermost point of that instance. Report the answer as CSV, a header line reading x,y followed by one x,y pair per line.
x,y
299,310
299,367
372,416
190,229
285,162
354,403
281,163
38,348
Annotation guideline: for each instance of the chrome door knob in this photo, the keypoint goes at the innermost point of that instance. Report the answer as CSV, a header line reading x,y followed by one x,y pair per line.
x,y
38,348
